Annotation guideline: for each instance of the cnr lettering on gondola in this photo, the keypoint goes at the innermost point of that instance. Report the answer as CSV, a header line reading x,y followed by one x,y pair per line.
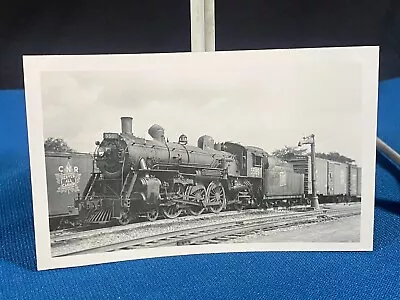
x,y
68,169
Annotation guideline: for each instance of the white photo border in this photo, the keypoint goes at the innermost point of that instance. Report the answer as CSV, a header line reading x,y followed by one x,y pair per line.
x,y
367,56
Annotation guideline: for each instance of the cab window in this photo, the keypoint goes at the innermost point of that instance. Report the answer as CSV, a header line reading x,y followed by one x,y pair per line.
x,y
257,161
244,163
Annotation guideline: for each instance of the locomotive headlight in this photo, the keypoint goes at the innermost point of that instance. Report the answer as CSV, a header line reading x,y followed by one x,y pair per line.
x,y
101,151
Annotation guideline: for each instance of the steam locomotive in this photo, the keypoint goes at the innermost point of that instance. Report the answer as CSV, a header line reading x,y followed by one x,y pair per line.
x,y
139,177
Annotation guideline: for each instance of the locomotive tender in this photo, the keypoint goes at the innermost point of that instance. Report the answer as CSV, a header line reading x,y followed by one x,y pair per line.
x,y
144,177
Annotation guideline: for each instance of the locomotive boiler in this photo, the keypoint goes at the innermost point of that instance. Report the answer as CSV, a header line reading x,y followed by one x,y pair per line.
x,y
143,177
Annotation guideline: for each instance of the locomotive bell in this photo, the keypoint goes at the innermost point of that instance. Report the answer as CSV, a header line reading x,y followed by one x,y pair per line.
x,y
126,125
183,139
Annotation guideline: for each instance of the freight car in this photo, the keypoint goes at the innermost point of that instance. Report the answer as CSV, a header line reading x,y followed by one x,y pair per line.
x,y
334,181
139,177
67,174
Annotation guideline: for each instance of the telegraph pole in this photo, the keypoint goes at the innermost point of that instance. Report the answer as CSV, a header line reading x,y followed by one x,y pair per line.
x,y
311,141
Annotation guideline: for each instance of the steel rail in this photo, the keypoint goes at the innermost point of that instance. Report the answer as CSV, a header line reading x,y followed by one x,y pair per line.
x,y
76,233
211,232
179,233
217,237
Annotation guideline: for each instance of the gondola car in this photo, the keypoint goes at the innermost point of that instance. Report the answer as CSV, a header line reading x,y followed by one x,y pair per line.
x,y
67,175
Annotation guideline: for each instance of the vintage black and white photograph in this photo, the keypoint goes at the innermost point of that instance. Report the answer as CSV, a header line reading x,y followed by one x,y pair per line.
x,y
137,156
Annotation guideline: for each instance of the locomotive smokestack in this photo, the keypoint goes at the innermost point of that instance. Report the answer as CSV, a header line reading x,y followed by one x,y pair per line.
x,y
126,125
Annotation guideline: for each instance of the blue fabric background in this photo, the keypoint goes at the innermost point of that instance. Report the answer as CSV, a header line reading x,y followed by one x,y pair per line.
x,y
273,275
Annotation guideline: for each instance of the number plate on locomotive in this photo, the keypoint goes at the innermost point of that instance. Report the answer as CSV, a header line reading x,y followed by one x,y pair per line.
x,y
111,136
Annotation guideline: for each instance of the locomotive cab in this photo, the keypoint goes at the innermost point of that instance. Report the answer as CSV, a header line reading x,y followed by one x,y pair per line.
x,y
251,160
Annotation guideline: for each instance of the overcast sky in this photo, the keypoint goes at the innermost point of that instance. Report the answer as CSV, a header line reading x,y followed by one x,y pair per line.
x,y
266,103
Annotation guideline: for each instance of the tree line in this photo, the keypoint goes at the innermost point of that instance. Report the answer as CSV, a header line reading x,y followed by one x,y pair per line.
x,y
291,152
52,144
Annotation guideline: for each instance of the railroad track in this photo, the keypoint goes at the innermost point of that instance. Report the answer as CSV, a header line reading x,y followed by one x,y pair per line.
x,y
90,232
87,231
223,232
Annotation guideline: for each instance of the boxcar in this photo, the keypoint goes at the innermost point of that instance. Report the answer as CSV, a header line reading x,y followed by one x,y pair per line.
x,y
302,165
359,172
321,180
337,178
67,175
353,181
334,181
